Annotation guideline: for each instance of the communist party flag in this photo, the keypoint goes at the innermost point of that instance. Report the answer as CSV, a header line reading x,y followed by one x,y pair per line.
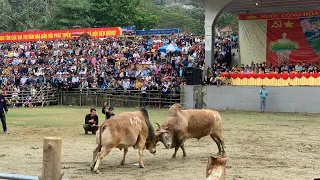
x,y
285,37
286,42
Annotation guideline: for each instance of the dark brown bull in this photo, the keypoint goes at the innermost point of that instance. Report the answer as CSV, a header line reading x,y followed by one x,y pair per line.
x,y
181,125
123,131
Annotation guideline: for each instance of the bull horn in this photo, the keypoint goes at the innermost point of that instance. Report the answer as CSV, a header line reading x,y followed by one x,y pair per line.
x,y
158,125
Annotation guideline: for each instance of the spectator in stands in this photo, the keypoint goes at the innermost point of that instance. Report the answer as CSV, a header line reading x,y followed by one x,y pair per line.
x,y
91,122
263,98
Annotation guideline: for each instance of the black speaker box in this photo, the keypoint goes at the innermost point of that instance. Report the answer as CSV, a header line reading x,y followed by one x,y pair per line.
x,y
193,76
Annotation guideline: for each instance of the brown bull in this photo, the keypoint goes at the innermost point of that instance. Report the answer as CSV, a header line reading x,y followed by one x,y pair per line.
x,y
123,131
181,125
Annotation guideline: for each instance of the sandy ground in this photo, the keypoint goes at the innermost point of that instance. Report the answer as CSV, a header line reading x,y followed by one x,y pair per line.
x,y
265,146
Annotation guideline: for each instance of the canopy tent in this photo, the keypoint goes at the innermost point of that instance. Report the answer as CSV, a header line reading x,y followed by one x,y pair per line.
x,y
169,48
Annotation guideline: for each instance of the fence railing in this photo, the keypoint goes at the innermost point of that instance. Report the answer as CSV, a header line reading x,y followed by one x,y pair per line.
x,y
94,97
120,98
42,97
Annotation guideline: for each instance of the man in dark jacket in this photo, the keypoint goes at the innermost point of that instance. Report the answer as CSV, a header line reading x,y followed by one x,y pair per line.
x,y
108,113
3,112
91,122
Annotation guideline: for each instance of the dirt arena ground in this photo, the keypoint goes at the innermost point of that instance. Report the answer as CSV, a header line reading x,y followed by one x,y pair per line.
x,y
259,146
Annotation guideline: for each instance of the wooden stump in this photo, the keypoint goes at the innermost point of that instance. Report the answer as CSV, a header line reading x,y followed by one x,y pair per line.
x,y
51,169
216,168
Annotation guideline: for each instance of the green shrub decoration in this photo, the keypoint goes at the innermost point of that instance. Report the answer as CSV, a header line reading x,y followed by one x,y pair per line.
x,y
277,46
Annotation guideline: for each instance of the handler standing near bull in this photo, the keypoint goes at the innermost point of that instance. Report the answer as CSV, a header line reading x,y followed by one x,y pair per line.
x,y
3,111
263,98
108,113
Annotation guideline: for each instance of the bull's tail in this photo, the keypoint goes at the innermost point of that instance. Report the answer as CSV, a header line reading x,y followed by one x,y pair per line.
x,y
103,125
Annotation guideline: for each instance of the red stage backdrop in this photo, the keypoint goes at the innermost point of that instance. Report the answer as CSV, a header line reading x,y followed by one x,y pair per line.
x,y
59,34
290,37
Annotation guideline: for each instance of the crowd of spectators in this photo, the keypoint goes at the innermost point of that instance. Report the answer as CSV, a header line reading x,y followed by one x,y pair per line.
x,y
259,68
107,63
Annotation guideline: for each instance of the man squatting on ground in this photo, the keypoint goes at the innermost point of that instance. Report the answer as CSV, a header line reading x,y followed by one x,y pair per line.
x,y
91,122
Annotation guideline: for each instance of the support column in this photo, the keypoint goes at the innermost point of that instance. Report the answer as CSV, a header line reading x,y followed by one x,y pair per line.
x,y
213,8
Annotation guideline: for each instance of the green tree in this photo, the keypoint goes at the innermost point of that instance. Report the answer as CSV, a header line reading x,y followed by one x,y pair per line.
x,y
68,14
113,12
187,20
145,20
228,20
21,15
5,15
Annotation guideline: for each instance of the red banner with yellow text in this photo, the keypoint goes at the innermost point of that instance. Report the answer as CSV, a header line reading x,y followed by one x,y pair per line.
x,y
288,15
59,34
292,37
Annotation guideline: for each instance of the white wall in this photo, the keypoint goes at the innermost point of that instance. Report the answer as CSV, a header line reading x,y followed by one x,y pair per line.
x,y
246,98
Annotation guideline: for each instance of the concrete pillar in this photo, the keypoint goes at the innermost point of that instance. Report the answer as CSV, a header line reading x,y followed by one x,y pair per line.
x,y
213,8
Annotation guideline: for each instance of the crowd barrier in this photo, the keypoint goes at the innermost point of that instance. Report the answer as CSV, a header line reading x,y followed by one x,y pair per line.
x,y
119,98
43,97
285,79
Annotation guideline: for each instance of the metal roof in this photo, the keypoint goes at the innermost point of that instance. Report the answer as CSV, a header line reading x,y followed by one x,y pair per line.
x,y
271,6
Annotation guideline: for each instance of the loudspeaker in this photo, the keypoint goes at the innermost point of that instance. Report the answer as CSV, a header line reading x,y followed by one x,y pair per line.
x,y
193,76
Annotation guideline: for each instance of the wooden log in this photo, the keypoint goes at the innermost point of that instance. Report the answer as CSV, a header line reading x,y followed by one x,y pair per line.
x,y
51,169
216,168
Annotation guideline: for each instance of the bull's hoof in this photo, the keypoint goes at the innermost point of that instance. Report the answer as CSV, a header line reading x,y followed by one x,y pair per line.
x,y
219,155
184,156
92,166
122,163
173,157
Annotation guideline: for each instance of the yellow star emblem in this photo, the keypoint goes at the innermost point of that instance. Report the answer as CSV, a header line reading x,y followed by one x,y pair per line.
x,y
289,24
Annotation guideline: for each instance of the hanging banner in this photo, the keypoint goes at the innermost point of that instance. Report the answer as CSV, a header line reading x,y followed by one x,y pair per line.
x,y
128,30
157,32
288,15
59,34
282,38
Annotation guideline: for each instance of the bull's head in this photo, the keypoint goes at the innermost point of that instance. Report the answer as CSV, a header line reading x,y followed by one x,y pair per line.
x,y
165,135
152,144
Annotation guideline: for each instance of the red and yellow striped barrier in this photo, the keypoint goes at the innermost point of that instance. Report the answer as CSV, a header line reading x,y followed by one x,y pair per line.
x,y
285,79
